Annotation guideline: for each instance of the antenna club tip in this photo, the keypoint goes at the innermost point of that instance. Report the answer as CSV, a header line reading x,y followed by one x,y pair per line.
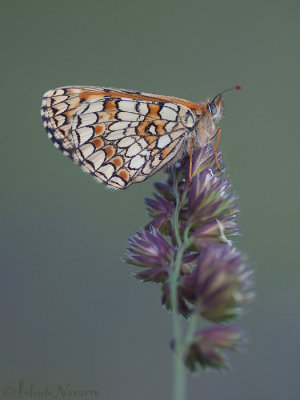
x,y
238,87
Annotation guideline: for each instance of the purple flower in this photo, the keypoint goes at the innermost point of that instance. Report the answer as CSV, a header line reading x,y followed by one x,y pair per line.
x,y
211,204
182,307
204,159
220,284
161,210
206,348
208,207
150,250
187,248
216,231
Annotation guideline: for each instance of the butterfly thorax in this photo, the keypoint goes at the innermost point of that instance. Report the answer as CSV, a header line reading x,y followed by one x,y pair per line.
x,y
206,122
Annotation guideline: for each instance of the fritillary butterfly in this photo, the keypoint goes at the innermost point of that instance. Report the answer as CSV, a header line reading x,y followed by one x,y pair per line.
x,y
122,136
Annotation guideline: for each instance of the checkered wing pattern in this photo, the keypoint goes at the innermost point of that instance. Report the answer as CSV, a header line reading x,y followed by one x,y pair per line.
x,y
120,137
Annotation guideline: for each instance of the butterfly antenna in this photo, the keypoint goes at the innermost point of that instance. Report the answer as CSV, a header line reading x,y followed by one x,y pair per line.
x,y
237,87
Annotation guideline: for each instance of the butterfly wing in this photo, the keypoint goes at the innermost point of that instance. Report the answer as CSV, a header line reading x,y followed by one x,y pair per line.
x,y
121,137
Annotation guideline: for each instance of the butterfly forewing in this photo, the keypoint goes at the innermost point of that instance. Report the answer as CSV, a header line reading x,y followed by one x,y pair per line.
x,y
121,137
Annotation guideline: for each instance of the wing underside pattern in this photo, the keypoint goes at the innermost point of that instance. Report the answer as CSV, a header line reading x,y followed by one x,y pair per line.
x,y
120,137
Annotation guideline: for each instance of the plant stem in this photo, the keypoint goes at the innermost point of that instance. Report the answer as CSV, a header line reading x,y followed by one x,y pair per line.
x,y
178,366
179,385
190,332
179,389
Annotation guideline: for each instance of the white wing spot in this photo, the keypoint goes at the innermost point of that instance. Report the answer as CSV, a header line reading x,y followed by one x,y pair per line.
x,y
155,161
152,130
172,105
130,132
170,126
84,134
127,116
190,120
142,142
126,142
115,135
86,150
135,148
143,108
145,153
57,135
88,119
60,120
168,114
147,169
96,106
116,126
127,105
97,158
135,124
58,92
59,99
137,162
163,141
60,108
107,170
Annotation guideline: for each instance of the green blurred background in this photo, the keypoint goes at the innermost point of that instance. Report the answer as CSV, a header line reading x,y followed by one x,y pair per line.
x,y
70,312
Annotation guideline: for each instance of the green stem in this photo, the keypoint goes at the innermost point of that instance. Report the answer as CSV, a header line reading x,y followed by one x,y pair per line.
x,y
192,326
178,366
179,387
179,384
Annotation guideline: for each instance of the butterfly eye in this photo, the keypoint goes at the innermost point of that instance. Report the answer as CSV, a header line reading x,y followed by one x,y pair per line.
x,y
212,109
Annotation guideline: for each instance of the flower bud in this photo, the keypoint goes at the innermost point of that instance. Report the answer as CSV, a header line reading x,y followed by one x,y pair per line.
x,y
207,346
150,250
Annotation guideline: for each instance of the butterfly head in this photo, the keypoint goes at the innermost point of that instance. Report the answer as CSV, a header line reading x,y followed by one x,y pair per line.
x,y
211,112
215,106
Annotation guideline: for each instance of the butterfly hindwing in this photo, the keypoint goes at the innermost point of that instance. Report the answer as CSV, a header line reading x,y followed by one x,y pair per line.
x,y
121,137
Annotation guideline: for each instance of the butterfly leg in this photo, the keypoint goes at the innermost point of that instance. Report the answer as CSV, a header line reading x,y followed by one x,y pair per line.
x,y
191,158
215,148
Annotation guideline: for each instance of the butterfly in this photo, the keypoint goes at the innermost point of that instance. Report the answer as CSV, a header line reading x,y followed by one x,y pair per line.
x,y
122,136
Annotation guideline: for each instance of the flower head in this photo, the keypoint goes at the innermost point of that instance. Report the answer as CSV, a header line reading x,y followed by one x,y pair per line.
x,y
211,204
207,345
150,250
187,248
208,208
160,209
220,284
